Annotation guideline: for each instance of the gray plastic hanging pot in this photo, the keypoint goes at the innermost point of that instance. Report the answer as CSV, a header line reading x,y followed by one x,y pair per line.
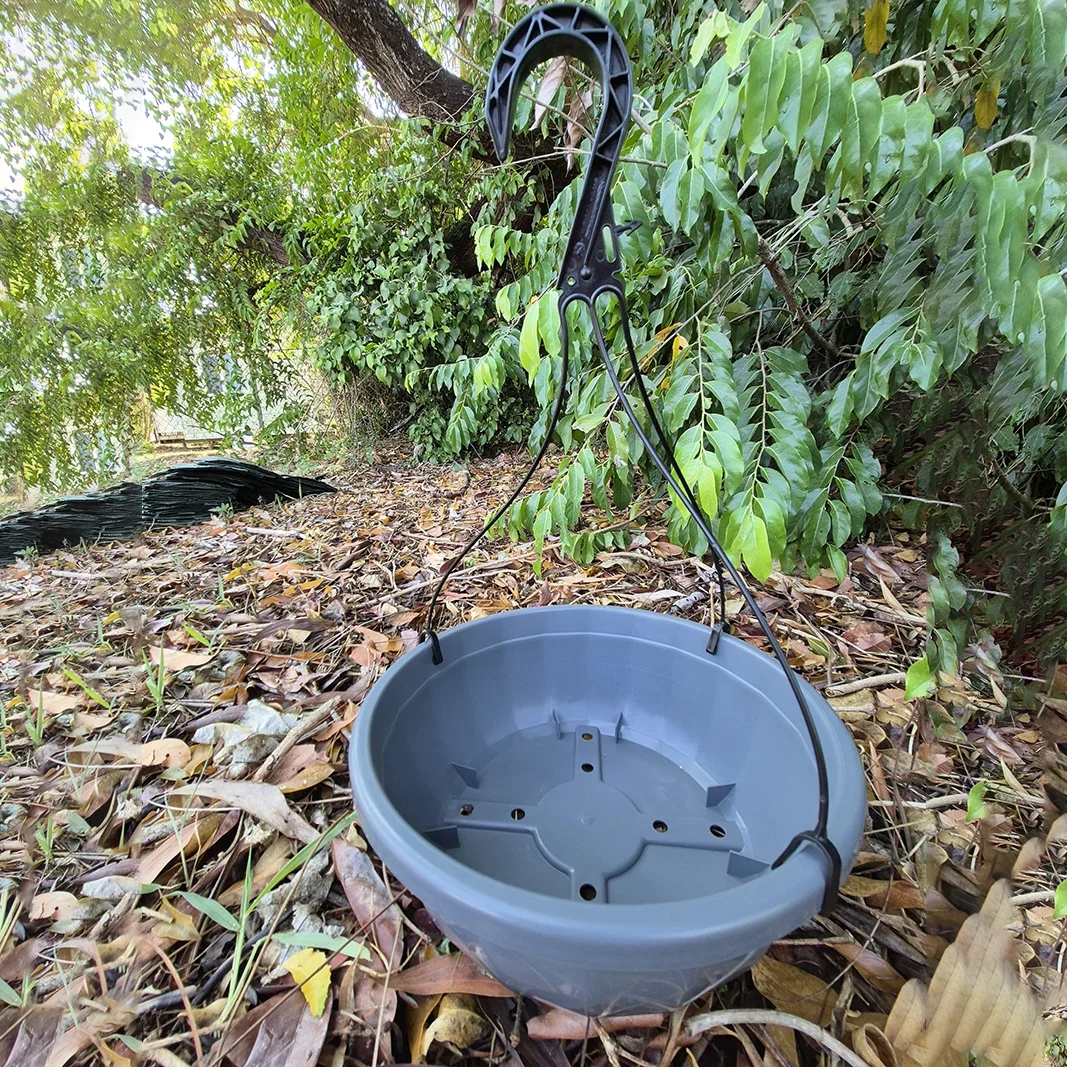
x,y
610,809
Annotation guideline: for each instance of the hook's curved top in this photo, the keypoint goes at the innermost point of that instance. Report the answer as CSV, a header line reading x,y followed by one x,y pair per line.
x,y
591,261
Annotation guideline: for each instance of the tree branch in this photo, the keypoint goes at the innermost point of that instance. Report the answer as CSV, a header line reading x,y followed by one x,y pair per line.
x,y
406,73
770,261
263,239
1005,483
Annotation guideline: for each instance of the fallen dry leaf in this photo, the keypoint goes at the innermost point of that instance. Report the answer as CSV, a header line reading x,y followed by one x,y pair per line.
x,y
52,907
458,1023
280,1032
559,1024
28,1037
794,991
455,973
260,800
41,700
872,966
370,901
176,659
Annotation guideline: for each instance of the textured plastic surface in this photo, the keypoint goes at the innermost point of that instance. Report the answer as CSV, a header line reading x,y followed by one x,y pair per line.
x,y
588,802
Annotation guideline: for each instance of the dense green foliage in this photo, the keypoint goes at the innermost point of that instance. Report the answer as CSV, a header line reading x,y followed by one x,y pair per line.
x,y
848,279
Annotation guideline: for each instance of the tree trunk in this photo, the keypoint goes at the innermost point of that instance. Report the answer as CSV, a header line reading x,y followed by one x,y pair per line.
x,y
406,73
420,86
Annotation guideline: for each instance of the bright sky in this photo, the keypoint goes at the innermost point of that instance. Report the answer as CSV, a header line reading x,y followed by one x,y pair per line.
x,y
143,134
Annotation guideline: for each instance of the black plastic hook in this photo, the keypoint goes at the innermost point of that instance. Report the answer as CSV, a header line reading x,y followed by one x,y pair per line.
x,y
591,262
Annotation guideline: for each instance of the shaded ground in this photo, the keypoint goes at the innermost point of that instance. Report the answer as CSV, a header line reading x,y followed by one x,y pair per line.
x,y
175,829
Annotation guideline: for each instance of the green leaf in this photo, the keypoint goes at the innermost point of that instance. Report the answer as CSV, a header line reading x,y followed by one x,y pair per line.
x,y
739,35
1052,301
757,96
1059,909
798,92
884,328
529,345
757,550
918,682
542,524
691,212
924,364
710,29
774,518
669,193
328,943
839,563
840,523
839,411
868,100
212,909
831,104
548,324
918,127
575,492
707,487
728,452
976,808
706,107
9,996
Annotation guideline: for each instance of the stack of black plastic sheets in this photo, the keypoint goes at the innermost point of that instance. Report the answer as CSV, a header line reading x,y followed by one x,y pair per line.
x,y
179,496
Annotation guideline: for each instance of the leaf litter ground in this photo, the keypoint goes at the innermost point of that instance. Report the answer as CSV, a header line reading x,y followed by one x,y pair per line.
x,y
185,882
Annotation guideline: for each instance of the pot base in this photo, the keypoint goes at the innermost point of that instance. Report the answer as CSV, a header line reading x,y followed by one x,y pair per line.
x,y
586,814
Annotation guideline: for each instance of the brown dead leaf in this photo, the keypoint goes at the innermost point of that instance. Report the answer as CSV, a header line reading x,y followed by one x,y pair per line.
x,y
52,907
369,900
300,768
273,859
553,78
280,1032
1030,856
193,837
895,896
997,747
260,800
417,1014
177,659
870,1043
1057,834
464,10
28,1037
862,888
875,566
456,973
174,925
872,966
307,778
166,752
18,961
558,1024
41,700
794,991
67,1047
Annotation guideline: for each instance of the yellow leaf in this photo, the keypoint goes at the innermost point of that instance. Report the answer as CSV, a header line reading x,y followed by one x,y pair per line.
x,y
985,104
679,346
874,20
457,1023
311,972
